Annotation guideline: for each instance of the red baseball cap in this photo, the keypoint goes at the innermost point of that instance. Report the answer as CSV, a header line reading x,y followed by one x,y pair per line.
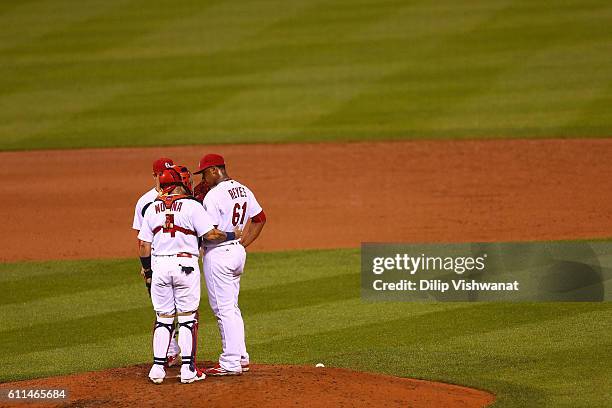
x,y
210,160
162,164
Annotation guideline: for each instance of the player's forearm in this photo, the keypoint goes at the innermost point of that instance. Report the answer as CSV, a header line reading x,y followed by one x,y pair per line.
x,y
215,235
252,233
138,243
144,248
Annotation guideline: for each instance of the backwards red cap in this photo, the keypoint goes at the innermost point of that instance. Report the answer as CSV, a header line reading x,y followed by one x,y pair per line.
x,y
162,164
210,160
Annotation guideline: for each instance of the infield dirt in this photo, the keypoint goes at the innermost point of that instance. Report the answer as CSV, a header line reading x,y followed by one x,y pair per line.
x,y
263,386
80,203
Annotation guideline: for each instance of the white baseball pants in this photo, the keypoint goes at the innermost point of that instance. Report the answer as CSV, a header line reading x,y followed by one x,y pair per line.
x,y
171,288
223,266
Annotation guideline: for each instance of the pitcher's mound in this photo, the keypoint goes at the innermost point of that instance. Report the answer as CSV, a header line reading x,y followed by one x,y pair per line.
x,y
262,386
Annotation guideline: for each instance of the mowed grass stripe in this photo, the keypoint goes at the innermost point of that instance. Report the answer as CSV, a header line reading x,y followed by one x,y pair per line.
x,y
280,297
193,107
471,64
315,319
84,330
22,290
573,380
74,305
63,284
439,326
295,265
121,297
116,351
39,292
111,74
31,271
43,18
160,108
590,325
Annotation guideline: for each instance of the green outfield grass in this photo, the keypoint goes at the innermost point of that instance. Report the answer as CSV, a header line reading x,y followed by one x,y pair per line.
x,y
135,73
305,308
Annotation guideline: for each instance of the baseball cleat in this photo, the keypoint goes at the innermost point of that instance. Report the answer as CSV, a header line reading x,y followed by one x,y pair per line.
x,y
245,367
197,375
218,371
157,374
171,361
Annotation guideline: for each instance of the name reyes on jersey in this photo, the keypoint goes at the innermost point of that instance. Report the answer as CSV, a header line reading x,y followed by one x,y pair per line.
x,y
237,192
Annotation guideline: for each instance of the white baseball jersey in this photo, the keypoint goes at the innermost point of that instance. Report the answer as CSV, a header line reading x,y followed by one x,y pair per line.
x,y
176,229
146,198
230,204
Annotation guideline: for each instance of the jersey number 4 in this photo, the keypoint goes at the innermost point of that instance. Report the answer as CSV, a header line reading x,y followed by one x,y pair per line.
x,y
238,217
169,225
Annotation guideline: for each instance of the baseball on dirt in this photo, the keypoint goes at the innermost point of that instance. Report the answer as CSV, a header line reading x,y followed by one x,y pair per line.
x,y
319,365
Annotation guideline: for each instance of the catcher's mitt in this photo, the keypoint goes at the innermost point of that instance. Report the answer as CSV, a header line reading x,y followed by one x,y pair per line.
x,y
199,191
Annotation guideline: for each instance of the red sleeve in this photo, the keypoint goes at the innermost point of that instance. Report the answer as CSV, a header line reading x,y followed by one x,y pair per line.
x,y
261,217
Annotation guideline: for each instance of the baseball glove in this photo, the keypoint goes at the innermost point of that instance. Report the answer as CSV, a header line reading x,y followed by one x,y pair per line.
x,y
199,191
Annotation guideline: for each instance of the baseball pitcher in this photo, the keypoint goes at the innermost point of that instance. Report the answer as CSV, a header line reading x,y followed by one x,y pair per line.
x,y
169,251
229,204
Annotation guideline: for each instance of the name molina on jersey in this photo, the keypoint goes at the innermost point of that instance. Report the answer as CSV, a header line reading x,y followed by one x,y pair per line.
x,y
237,192
161,206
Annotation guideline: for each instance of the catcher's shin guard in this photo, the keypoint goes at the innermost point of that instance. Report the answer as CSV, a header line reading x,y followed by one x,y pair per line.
x,y
173,349
188,338
162,332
